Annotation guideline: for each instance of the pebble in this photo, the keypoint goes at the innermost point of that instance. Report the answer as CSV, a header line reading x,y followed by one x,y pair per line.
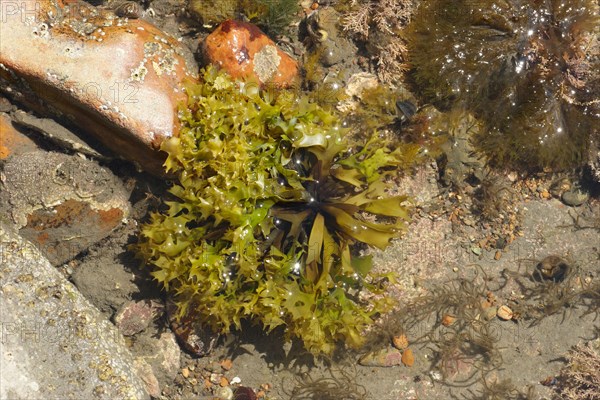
x,y
448,320
381,358
575,197
226,364
400,341
408,359
505,313
244,51
194,337
134,317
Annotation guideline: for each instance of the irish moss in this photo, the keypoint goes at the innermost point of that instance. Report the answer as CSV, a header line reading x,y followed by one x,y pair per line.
x,y
271,199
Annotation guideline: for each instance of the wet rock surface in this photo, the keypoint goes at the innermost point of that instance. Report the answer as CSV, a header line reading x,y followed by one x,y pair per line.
x,y
55,344
447,238
244,51
62,203
128,91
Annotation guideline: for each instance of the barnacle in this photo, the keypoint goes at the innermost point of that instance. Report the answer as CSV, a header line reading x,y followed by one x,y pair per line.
x,y
529,70
271,198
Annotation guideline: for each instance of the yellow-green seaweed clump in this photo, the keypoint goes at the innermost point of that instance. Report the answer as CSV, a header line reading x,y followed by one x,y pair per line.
x,y
270,202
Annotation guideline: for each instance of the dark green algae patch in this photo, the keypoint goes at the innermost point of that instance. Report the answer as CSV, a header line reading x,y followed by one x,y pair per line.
x,y
271,199
529,70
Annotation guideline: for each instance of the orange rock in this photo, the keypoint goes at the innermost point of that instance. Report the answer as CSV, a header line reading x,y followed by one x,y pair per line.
x,y
400,341
11,140
245,52
408,359
226,364
117,79
448,319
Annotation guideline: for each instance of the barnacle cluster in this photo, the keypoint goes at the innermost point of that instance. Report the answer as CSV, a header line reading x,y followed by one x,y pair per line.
x,y
527,69
270,200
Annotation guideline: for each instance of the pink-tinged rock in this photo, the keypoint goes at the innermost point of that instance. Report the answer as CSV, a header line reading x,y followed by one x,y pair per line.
x,y
118,79
382,358
245,52
135,316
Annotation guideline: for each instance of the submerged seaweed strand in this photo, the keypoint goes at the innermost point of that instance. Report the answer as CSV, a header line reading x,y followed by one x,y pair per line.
x,y
528,70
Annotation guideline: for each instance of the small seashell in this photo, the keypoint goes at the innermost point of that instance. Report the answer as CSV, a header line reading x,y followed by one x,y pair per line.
x,y
381,358
505,313
224,393
408,359
400,341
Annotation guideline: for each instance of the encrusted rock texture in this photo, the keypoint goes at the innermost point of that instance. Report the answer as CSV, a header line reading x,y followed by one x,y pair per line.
x,y
118,79
54,342
245,52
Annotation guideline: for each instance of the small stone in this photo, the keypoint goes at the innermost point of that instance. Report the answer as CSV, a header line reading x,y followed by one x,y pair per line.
x,y
215,378
185,372
223,381
448,320
381,358
574,198
400,341
408,358
505,313
134,317
476,250
245,52
559,186
498,255
226,364
236,380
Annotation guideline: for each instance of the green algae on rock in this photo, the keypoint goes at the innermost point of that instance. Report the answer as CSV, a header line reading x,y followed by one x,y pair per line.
x,y
529,70
270,201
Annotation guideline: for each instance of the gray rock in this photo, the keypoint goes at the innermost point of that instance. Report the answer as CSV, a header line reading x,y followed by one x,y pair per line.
x,y
62,203
574,197
55,344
